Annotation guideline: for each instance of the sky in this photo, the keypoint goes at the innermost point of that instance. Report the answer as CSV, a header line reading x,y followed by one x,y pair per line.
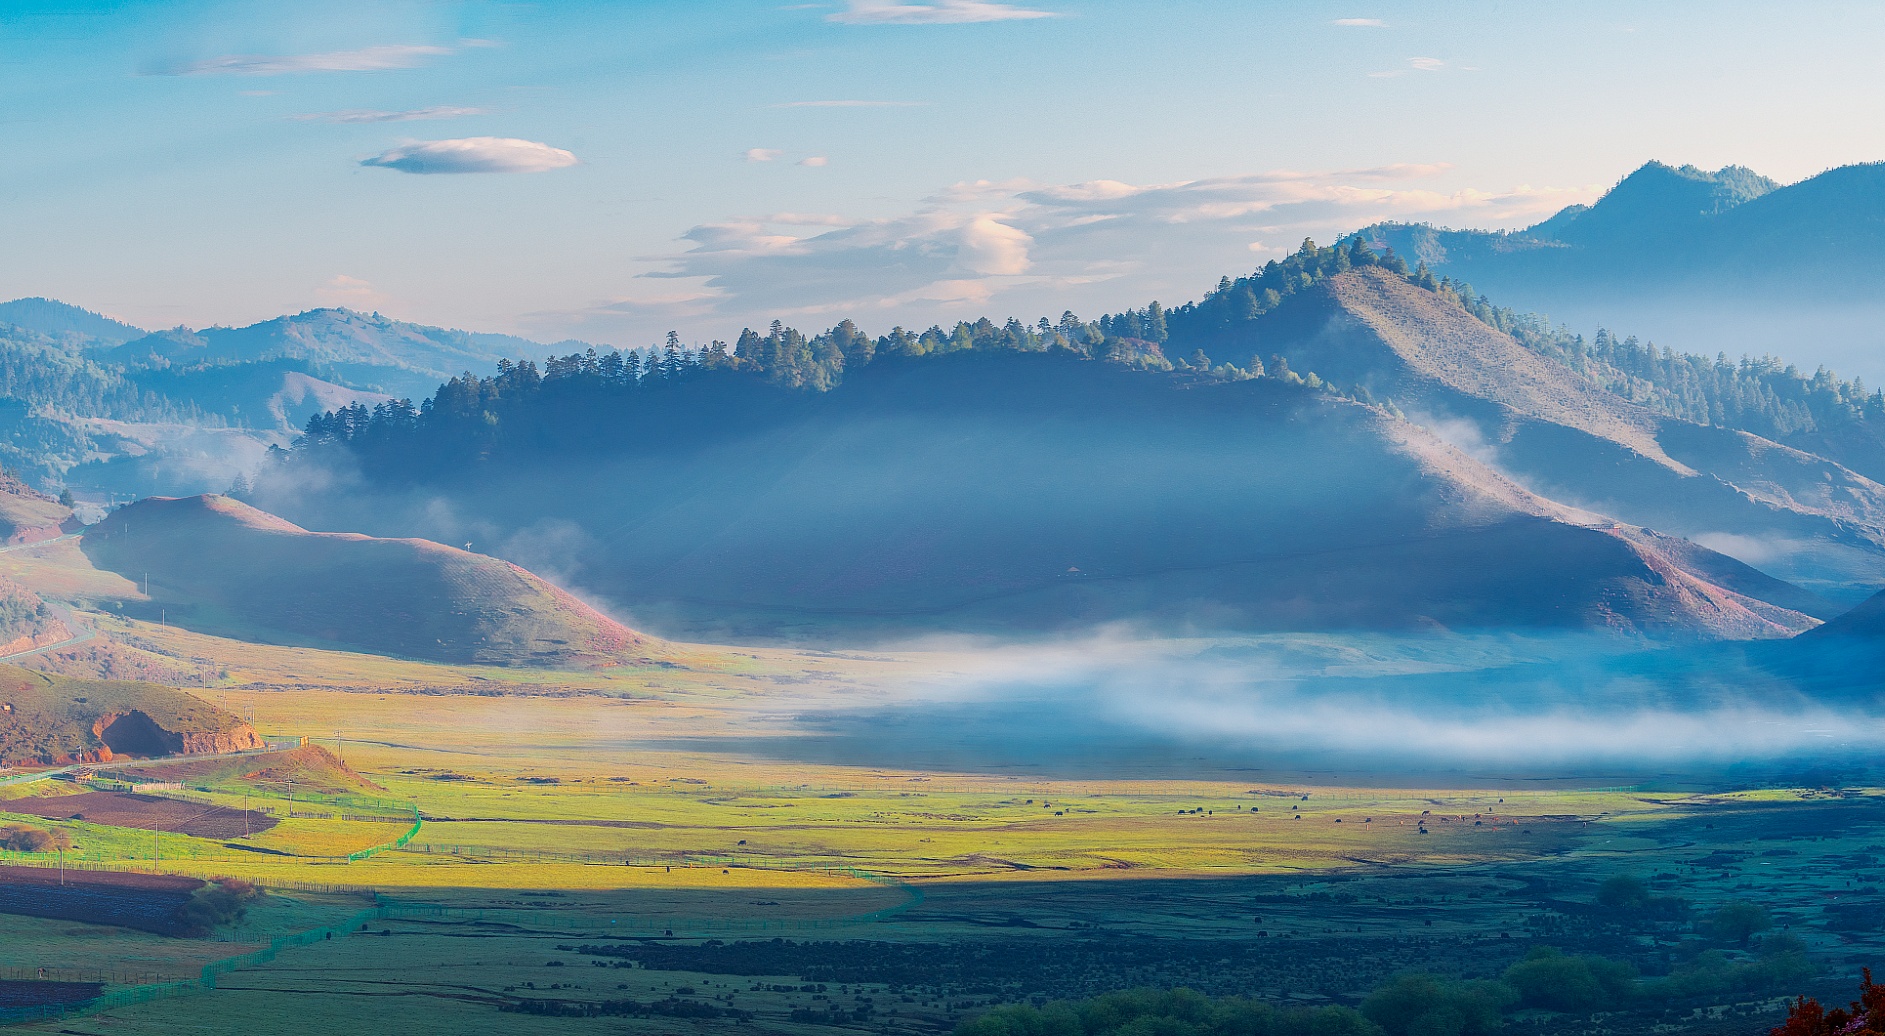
x,y
610,171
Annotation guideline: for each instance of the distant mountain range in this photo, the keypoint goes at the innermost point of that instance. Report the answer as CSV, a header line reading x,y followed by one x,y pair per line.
x,y
1702,261
114,410
361,350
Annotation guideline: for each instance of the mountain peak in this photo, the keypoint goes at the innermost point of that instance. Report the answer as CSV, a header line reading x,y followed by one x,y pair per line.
x,y
1656,200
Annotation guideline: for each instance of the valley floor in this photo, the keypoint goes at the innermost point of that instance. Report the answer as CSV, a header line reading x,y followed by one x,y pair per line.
x,y
529,844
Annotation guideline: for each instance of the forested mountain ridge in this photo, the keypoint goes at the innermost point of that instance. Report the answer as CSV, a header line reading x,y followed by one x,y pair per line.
x,y
1414,334
1001,490
51,317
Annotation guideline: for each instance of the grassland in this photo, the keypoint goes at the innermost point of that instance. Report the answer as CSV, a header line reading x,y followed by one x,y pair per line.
x,y
561,807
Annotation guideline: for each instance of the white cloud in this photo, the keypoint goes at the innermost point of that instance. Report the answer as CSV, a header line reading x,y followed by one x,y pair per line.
x,y
851,104
990,247
413,115
1417,65
941,12
366,59
763,154
815,161
1030,248
351,292
474,155
1361,23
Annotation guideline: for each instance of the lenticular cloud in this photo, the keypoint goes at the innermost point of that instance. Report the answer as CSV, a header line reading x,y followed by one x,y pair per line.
x,y
474,155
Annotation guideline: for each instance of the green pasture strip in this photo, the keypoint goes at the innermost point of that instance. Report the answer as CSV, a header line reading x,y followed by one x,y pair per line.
x,y
388,909
397,843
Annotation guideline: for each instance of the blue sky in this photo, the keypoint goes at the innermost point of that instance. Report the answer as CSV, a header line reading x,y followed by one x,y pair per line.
x,y
609,171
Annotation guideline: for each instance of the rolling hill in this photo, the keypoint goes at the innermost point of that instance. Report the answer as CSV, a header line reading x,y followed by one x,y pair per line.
x,y
48,719
1029,492
1802,517
222,566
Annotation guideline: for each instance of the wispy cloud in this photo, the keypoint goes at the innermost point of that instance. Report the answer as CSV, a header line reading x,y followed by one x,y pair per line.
x,y
815,161
941,12
351,292
763,154
1047,246
1416,65
1361,23
413,115
474,155
366,59
851,104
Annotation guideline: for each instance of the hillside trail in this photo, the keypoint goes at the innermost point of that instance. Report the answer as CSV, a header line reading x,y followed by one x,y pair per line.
x,y
39,543
81,633
41,775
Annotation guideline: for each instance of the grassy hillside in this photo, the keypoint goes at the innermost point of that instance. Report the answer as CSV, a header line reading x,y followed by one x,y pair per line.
x,y
220,565
1546,425
47,719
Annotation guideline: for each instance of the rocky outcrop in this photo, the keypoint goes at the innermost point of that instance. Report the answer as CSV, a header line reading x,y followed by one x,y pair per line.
x,y
133,733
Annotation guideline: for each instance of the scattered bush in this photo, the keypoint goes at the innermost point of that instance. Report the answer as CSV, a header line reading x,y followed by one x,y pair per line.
x,y
1425,1005
1178,1012
1782,962
1628,894
23,839
1738,921
1556,982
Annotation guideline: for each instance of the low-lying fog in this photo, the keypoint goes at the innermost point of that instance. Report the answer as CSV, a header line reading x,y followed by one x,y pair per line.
x,y
1360,710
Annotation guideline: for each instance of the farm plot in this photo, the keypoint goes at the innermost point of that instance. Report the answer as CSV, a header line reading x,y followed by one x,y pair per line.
x,y
147,902
15,993
146,812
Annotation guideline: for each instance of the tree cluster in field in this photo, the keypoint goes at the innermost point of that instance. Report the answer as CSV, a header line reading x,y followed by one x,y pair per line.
x,y
1175,1012
1863,1017
222,901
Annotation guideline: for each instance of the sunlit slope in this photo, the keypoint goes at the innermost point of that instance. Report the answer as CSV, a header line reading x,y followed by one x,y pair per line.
x,y
223,566
1027,493
49,719
1544,424
27,515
